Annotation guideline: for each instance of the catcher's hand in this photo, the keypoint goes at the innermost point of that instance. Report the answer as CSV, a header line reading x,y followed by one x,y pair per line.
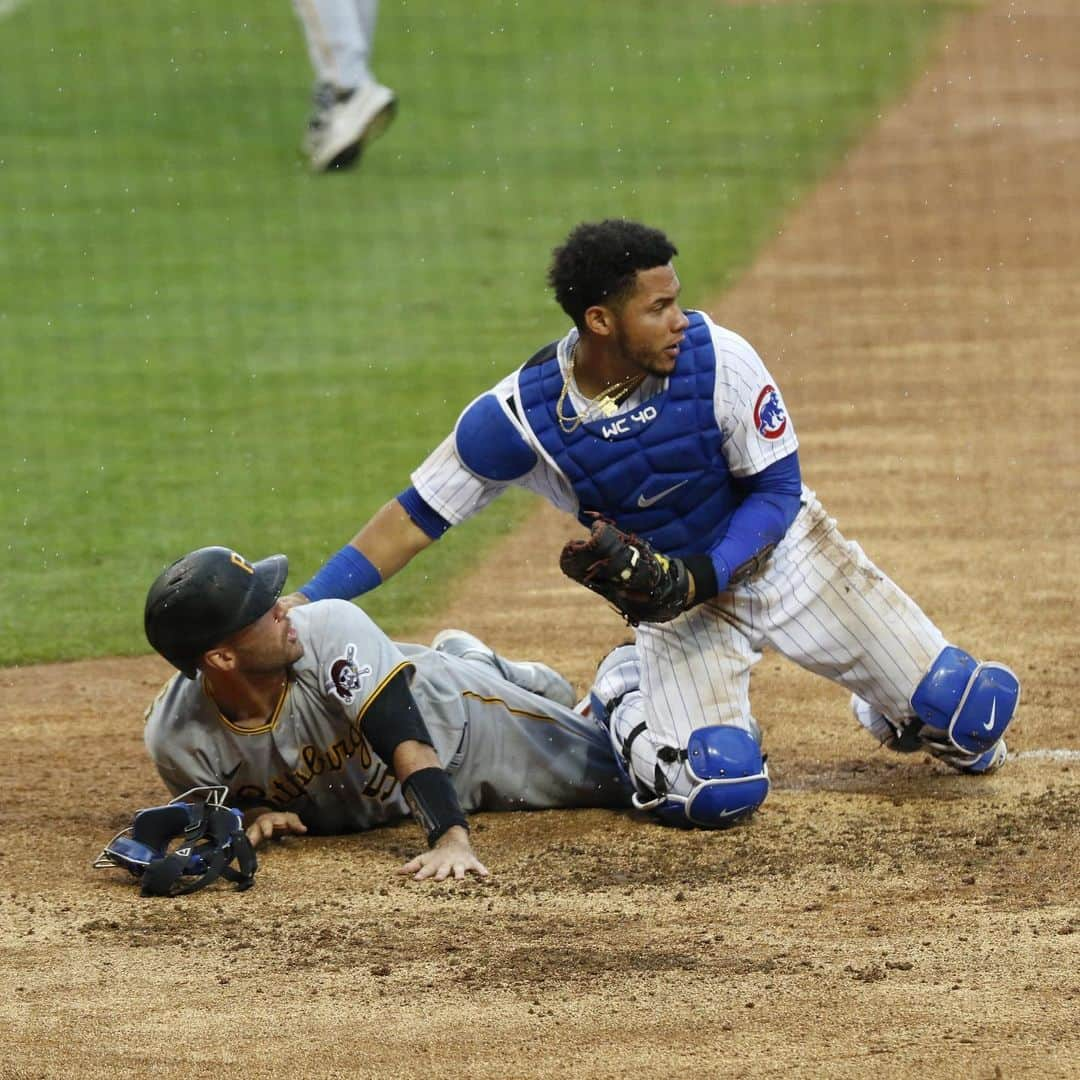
x,y
642,584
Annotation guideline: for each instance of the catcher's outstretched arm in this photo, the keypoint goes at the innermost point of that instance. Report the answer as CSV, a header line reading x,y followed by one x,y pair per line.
x,y
377,552
391,539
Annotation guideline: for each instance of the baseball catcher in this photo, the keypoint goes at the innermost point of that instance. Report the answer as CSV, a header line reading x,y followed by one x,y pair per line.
x,y
673,429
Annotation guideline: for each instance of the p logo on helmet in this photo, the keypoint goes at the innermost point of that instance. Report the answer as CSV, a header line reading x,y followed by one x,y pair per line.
x,y
239,560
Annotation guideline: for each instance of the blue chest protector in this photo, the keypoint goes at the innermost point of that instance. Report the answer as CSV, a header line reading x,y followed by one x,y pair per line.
x,y
658,470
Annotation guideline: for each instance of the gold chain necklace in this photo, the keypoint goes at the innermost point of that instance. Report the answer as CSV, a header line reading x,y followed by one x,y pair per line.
x,y
604,406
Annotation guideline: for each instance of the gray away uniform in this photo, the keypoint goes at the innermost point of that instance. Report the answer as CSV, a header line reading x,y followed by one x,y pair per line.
x,y
505,747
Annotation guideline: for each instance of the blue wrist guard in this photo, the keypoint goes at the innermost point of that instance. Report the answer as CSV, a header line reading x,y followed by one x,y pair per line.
x,y
345,575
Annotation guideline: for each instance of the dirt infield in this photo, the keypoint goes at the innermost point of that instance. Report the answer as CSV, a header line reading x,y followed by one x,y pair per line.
x,y
880,915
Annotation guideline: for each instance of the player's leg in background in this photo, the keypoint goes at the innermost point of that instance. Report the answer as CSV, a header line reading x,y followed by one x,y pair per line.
x,y
351,107
337,41
525,752
821,602
367,12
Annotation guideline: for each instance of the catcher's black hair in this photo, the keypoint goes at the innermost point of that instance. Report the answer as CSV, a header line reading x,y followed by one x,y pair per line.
x,y
598,262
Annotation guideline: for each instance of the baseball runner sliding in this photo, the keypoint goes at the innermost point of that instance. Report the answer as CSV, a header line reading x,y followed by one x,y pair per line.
x,y
669,439
314,721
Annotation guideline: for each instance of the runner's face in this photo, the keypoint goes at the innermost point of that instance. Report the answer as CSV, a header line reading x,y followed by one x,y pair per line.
x,y
269,644
649,326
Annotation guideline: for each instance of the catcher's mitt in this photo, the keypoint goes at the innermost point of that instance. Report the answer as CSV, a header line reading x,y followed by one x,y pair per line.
x,y
642,584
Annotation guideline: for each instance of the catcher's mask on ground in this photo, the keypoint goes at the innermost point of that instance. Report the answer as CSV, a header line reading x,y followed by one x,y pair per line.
x,y
184,846
205,597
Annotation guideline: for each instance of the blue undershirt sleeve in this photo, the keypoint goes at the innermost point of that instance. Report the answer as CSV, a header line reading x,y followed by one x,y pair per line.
x,y
761,520
423,516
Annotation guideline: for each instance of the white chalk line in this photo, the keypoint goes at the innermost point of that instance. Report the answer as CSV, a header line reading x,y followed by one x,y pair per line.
x,y
1046,755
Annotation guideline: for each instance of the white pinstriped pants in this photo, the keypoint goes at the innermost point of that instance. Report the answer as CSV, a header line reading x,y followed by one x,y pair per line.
x,y
819,601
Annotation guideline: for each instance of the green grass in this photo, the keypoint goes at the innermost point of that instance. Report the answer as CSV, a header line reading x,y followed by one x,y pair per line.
x,y
202,343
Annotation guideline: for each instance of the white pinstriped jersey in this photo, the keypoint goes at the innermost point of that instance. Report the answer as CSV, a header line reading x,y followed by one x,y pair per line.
x,y
816,598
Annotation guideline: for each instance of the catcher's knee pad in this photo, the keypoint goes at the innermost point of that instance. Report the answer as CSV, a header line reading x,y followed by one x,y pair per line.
x,y
724,778
971,702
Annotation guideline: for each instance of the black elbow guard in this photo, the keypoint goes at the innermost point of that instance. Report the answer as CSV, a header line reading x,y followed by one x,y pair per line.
x,y
393,718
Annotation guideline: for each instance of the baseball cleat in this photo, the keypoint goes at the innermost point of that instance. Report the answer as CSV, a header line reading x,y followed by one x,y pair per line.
x,y
979,764
901,736
461,643
535,677
906,738
338,134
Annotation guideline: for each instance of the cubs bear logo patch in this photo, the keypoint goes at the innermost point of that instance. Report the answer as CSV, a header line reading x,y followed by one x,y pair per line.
x,y
769,416
345,678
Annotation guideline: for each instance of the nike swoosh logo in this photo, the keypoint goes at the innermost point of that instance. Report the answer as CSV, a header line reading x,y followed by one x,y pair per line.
x,y
232,772
644,502
989,725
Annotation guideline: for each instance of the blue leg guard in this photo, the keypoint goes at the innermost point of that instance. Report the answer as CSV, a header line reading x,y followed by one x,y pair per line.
x,y
725,779
971,702
718,778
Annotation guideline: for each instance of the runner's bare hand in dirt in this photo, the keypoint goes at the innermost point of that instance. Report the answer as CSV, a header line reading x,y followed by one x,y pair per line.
x,y
452,854
274,823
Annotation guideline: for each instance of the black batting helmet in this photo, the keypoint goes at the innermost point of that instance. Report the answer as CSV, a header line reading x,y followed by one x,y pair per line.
x,y
204,597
